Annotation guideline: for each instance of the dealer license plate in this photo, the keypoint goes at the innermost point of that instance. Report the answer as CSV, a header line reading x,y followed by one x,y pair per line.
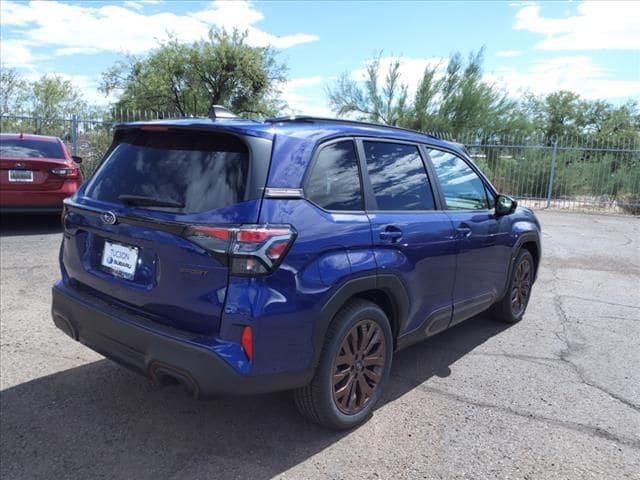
x,y
120,259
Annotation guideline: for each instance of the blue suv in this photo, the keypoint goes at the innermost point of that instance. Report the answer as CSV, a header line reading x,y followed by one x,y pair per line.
x,y
240,257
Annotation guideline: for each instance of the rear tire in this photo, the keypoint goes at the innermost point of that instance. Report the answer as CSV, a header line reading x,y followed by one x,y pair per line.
x,y
354,367
513,305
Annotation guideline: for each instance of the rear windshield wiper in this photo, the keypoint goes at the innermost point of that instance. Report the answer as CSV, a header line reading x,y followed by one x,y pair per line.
x,y
142,201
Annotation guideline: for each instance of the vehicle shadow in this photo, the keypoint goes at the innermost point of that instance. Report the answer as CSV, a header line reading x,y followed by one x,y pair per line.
x,y
99,420
13,224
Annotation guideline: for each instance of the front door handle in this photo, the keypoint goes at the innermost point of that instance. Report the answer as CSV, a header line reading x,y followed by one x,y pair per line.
x,y
464,230
391,233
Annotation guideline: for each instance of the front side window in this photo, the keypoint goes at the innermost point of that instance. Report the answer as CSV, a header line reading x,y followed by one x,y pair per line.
x,y
398,177
334,181
461,186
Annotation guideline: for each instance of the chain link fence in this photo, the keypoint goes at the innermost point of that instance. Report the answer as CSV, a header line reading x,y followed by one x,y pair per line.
x,y
581,173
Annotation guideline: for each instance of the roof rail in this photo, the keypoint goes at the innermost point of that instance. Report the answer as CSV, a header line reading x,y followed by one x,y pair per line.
x,y
360,123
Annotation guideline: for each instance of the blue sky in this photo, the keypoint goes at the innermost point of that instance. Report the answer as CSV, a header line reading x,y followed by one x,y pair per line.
x,y
592,48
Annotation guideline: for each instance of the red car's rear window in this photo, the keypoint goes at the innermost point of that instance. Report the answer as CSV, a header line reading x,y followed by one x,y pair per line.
x,y
23,148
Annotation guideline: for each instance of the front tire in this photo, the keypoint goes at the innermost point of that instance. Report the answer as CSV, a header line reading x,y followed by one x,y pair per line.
x,y
354,367
513,305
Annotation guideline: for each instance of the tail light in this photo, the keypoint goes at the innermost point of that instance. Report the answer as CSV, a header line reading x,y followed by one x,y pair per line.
x,y
249,249
65,172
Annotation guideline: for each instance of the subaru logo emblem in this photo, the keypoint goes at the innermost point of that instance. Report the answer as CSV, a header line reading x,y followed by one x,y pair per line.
x,y
109,218
21,165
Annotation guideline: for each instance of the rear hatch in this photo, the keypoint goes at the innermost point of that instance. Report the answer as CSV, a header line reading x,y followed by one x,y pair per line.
x,y
127,232
31,165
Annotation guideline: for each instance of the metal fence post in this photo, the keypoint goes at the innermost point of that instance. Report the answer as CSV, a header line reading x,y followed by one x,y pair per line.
x,y
74,134
551,173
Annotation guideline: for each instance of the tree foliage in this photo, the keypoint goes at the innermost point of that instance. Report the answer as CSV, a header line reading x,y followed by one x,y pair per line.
x,y
13,91
187,79
564,113
456,99
54,97
50,101
383,104
453,100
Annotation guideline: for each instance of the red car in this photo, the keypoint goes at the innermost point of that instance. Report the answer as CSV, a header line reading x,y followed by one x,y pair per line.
x,y
36,173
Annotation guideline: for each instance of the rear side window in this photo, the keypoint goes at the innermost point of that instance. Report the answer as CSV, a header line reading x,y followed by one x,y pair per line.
x,y
200,171
398,177
461,186
22,148
334,181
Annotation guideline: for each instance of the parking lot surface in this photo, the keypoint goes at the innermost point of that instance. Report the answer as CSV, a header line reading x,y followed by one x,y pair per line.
x,y
555,396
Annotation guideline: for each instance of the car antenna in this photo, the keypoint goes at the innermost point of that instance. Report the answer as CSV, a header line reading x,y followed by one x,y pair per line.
x,y
218,111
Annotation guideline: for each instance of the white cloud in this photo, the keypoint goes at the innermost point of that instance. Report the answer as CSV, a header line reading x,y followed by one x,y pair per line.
x,y
610,25
305,96
17,54
301,82
117,28
76,50
508,53
576,73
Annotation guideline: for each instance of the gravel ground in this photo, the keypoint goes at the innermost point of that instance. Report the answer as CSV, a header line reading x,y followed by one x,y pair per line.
x,y
556,396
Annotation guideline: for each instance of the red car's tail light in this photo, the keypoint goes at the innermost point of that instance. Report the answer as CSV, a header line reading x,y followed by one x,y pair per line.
x,y
249,249
66,172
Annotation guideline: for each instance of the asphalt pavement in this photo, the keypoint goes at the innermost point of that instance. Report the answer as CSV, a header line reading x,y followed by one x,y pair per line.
x,y
556,396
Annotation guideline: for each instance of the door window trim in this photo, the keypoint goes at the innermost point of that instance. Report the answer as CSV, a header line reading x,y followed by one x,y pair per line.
x,y
371,205
488,187
312,164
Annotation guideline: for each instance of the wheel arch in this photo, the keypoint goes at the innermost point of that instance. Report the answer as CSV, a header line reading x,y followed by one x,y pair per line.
x,y
386,291
531,242
534,249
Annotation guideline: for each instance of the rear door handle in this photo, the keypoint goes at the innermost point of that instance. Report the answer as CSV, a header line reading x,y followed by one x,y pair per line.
x,y
391,233
464,230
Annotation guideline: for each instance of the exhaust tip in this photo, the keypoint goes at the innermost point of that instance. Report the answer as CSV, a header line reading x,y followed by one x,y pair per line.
x,y
166,375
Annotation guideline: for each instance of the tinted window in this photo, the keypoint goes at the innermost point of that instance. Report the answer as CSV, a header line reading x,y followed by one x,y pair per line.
x,y
334,182
202,171
398,177
22,148
462,187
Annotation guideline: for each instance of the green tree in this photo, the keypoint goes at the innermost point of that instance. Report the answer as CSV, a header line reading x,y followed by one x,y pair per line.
x,y
555,115
384,104
566,114
460,101
187,79
47,104
13,91
53,97
456,101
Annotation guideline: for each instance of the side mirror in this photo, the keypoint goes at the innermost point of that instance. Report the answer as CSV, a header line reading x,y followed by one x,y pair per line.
x,y
505,205
76,158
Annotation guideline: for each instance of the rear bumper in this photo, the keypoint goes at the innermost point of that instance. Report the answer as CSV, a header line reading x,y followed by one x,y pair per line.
x,y
156,351
37,200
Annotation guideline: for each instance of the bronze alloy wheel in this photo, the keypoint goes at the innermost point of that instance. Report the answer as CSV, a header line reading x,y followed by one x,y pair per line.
x,y
358,367
521,288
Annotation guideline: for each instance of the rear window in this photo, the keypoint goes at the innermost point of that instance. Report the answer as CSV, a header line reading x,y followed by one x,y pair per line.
x,y
200,171
23,148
